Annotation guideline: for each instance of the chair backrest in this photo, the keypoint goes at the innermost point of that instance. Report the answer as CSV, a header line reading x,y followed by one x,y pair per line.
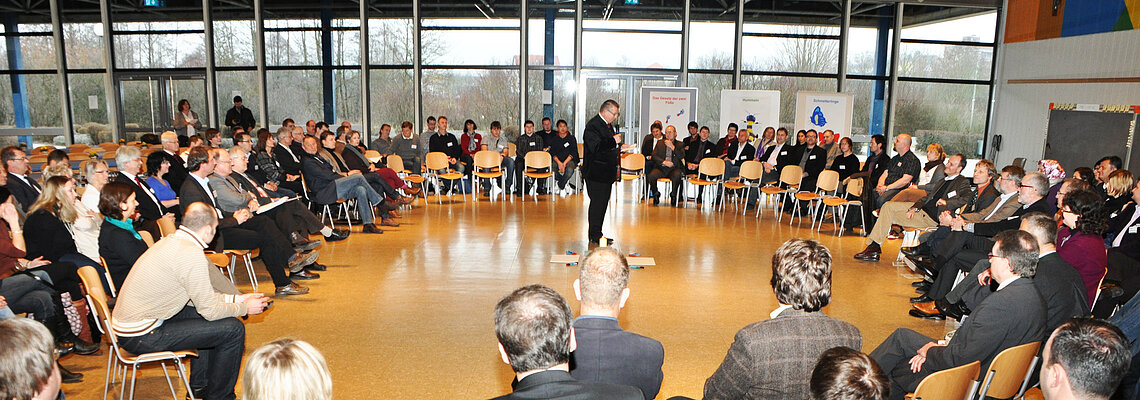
x,y
107,274
792,175
537,159
372,155
828,181
949,384
751,170
855,187
487,159
436,160
512,149
396,163
165,227
97,298
147,238
711,167
633,162
581,149
1009,369
1019,161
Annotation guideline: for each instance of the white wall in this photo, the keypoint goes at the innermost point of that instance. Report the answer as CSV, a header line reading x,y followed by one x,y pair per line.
x,y
1021,110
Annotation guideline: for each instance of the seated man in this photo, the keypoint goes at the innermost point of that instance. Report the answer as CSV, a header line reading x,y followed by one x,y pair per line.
x,y
24,189
1058,282
525,143
150,209
243,230
698,149
774,358
328,185
668,159
379,184
563,155
303,221
901,171
983,192
813,160
1084,359
969,242
29,361
446,143
288,160
738,152
1011,316
845,373
353,158
649,142
499,144
533,325
774,154
153,311
406,145
605,352
950,194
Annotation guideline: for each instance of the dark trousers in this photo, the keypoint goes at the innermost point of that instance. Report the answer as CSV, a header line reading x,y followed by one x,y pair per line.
x,y
960,251
380,185
294,185
674,175
220,345
294,217
520,168
893,356
599,193
259,232
26,294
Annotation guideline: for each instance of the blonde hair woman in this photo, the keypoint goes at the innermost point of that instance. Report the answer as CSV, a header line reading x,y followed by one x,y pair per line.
x,y
1118,187
84,223
286,369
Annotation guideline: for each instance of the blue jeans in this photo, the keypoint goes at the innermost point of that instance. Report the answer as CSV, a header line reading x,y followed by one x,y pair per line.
x,y
356,187
25,294
562,177
508,166
220,345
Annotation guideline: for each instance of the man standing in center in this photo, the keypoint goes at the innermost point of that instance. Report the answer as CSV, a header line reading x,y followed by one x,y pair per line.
x,y
600,164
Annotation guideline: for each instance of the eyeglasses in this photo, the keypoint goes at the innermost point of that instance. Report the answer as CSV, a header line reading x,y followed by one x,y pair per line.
x,y
992,255
1063,211
20,159
101,171
1027,186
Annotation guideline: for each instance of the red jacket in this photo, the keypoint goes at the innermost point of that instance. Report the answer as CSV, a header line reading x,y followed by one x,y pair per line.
x,y
465,143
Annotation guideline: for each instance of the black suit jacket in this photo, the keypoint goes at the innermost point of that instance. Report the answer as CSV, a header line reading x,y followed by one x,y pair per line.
x,y
286,161
1118,225
816,163
746,155
178,172
1012,316
192,192
695,153
608,354
148,209
24,193
788,155
982,200
956,192
647,145
556,384
120,249
1063,290
600,159
678,154
991,229
321,179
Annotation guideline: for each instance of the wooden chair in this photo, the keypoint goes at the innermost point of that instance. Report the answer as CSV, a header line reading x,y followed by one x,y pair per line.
x,y
956,383
1008,374
828,181
854,188
396,163
750,173
147,238
438,171
118,359
107,274
536,161
166,227
790,177
710,171
373,156
633,169
488,167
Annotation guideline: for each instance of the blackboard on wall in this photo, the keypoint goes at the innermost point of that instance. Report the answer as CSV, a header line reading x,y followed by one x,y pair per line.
x,y
1080,138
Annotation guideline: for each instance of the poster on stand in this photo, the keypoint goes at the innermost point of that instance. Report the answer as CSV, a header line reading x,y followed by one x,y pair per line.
x,y
751,110
823,111
671,105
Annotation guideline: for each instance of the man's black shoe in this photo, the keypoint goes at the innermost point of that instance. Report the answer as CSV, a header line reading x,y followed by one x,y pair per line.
x,y
952,310
68,376
921,249
83,347
921,283
304,275
920,314
64,348
306,245
922,289
316,267
336,237
370,228
925,266
920,299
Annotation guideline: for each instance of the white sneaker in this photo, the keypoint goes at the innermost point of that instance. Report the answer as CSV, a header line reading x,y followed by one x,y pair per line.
x,y
495,191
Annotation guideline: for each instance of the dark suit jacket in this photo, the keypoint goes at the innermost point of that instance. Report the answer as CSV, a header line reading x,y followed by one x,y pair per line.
x,y
251,187
600,151
120,249
775,358
1012,316
556,384
46,236
746,155
691,155
982,200
178,172
608,354
148,209
991,229
321,179
788,155
956,192
647,145
23,192
1130,245
678,154
813,166
286,161
1060,286
192,192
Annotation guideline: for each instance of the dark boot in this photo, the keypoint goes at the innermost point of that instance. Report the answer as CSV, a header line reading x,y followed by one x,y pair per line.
x,y
61,330
68,376
871,253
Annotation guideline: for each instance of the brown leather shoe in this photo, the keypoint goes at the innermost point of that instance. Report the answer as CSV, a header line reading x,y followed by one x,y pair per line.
x,y
389,222
926,308
412,191
871,253
371,228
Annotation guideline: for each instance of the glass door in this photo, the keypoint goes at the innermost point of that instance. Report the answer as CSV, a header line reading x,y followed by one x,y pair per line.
x,y
626,90
148,102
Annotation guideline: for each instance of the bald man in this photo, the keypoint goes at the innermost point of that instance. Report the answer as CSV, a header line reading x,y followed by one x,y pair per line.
x,y
901,170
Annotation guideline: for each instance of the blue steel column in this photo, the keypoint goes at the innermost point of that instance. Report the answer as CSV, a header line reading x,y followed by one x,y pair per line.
x,y
61,71
548,59
879,91
327,62
16,62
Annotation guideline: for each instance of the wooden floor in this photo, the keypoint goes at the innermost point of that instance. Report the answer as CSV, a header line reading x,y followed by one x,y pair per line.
x,y
407,314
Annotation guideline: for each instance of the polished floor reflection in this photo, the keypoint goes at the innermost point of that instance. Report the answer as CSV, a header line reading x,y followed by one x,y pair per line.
x,y
407,314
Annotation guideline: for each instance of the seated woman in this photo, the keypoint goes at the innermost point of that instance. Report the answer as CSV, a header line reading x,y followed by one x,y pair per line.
x,y
1080,242
846,163
353,155
156,168
97,174
120,244
1118,188
269,171
85,227
49,238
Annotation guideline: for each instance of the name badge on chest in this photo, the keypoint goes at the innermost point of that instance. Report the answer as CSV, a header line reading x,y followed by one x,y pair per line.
x,y
449,144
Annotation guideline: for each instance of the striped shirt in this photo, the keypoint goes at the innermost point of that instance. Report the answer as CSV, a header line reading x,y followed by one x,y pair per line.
x,y
171,274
